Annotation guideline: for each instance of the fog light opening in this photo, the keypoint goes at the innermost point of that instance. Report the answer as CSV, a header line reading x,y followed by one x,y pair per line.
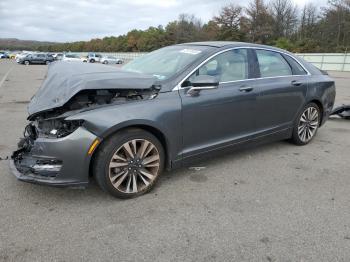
x,y
48,168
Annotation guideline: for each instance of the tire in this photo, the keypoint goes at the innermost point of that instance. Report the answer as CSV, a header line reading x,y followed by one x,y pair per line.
x,y
306,125
105,62
92,61
47,62
114,169
26,62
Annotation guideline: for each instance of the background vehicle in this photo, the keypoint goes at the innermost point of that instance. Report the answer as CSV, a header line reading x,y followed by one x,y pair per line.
x,y
13,55
22,54
123,125
4,55
111,60
71,57
58,56
93,57
38,58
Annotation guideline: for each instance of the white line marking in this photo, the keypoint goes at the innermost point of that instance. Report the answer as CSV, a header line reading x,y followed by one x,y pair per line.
x,y
5,76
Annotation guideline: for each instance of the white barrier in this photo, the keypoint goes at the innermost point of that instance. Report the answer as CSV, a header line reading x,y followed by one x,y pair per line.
x,y
329,61
324,61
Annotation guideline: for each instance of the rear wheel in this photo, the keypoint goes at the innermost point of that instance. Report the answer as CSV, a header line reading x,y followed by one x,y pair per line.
x,y
26,62
129,163
306,126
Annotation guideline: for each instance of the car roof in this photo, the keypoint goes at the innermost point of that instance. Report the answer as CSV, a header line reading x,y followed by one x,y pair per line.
x,y
222,44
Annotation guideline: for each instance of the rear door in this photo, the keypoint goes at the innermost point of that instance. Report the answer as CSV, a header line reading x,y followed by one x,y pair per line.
x,y
283,85
34,58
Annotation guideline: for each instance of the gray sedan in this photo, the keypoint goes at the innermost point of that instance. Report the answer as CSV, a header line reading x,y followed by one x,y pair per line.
x,y
164,110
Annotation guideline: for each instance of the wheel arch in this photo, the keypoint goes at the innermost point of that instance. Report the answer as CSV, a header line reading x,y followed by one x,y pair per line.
x,y
320,106
146,127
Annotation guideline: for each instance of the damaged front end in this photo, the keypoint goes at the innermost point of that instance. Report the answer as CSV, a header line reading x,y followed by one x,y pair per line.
x,y
50,152
56,151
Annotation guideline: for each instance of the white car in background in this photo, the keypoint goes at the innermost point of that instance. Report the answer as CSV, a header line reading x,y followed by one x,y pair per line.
x,y
71,57
111,60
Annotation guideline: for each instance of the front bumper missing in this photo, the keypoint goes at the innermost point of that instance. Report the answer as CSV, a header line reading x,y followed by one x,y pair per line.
x,y
57,162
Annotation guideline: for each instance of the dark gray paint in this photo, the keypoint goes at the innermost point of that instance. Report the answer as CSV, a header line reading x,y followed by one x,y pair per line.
x,y
193,126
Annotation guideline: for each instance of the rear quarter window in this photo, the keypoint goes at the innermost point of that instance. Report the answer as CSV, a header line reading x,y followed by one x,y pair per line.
x,y
296,67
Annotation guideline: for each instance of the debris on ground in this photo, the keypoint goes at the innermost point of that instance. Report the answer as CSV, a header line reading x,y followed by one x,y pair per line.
x,y
4,158
342,111
197,168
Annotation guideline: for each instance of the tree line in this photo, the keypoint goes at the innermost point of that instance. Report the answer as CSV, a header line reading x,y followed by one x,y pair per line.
x,y
277,22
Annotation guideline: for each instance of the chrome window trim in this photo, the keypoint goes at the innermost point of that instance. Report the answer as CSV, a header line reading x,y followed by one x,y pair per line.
x,y
178,86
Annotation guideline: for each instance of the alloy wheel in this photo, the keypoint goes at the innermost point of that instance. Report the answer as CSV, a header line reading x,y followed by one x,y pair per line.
x,y
308,124
134,166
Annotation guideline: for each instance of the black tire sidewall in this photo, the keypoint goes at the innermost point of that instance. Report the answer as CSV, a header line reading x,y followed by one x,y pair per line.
x,y
295,137
106,151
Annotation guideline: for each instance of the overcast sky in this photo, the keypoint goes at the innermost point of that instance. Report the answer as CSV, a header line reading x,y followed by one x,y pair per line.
x,y
73,20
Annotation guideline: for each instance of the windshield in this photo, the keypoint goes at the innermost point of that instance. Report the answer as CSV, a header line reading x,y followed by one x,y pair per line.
x,y
166,62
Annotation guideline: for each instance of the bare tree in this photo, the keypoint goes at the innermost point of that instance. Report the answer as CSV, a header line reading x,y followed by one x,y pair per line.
x,y
336,21
258,22
229,20
308,20
284,16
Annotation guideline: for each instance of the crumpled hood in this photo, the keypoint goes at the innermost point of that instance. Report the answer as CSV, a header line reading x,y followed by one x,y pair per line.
x,y
66,79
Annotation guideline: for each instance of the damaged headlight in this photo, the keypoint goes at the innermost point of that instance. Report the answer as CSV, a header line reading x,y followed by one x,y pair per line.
x,y
56,128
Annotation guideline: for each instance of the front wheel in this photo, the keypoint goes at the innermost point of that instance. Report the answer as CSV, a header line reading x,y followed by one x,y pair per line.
x,y
129,163
47,62
306,126
26,62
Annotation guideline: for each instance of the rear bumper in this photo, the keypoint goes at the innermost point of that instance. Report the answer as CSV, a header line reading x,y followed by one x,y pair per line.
x,y
70,152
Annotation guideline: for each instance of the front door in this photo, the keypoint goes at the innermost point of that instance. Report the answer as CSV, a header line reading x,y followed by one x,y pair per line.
x,y
219,117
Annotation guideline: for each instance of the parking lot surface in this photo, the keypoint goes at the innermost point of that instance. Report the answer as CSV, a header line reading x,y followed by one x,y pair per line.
x,y
276,202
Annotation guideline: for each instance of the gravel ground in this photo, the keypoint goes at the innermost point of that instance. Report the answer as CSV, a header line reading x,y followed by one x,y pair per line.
x,y
276,202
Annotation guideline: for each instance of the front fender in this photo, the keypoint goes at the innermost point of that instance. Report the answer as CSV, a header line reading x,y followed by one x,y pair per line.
x,y
162,113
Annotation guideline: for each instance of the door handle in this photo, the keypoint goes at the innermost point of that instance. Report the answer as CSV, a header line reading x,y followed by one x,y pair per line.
x,y
296,83
246,89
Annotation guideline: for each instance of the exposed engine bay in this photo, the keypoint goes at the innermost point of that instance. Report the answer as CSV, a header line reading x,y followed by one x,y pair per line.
x,y
51,123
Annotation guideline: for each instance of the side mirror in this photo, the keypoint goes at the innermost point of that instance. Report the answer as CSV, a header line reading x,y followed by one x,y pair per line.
x,y
203,82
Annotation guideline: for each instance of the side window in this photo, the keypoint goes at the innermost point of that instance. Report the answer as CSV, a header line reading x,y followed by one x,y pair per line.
x,y
228,66
296,67
272,64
